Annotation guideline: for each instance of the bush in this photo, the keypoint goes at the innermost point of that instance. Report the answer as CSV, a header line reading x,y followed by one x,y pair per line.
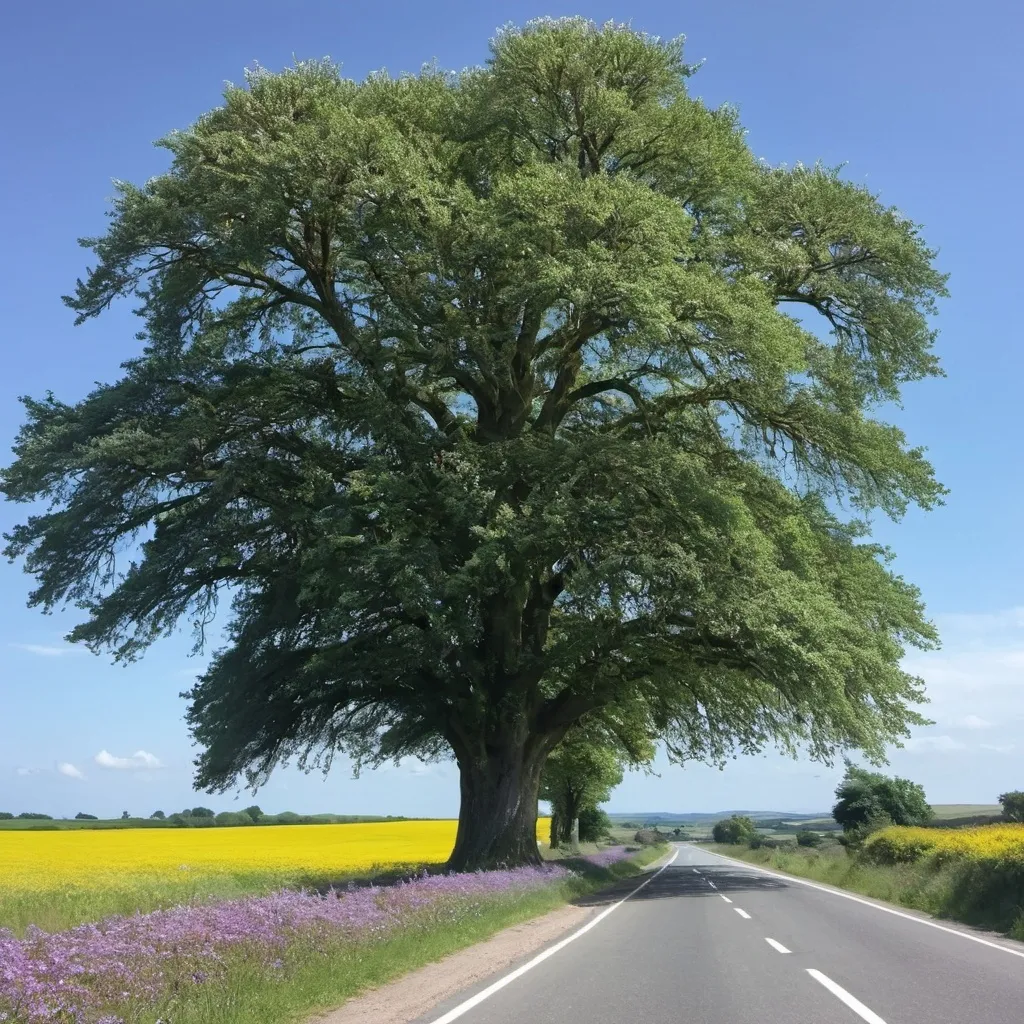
x,y
159,815
202,812
6,816
648,837
594,824
865,796
80,816
1013,805
253,812
34,816
807,838
756,841
233,818
737,829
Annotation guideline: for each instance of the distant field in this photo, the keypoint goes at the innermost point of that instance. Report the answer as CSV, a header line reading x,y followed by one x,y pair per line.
x,y
71,824
964,810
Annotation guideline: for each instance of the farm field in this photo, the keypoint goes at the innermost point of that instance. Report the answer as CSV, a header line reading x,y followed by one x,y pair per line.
x,y
56,879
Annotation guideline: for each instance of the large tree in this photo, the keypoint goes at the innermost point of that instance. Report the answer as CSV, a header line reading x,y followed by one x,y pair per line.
x,y
491,399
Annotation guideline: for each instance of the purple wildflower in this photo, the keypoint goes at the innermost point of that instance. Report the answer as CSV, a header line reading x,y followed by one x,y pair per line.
x,y
83,974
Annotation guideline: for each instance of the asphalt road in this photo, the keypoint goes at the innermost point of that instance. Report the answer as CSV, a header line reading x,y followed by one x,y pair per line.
x,y
710,942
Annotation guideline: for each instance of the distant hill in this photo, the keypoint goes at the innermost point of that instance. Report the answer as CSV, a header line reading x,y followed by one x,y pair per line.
x,y
702,818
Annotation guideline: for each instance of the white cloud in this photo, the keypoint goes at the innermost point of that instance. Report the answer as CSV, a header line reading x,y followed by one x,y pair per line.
x,y
68,769
999,748
46,651
27,771
929,744
140,760
974,722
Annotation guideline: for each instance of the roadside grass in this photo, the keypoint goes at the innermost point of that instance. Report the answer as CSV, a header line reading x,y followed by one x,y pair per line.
x,y
318,969
970,892
60,907
315,978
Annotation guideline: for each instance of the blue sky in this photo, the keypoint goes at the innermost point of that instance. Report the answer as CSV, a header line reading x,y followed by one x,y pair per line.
x,y
922,102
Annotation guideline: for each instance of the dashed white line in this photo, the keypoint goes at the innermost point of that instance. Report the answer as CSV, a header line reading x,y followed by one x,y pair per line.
x,y
712,884
843,996
777,946
695,871
742,913
726,898
869,903
465,1007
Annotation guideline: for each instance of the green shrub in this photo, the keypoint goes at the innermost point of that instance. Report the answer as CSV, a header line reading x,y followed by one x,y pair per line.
x,y
1013,805
737,829
807,838
594,824
756,841
233,818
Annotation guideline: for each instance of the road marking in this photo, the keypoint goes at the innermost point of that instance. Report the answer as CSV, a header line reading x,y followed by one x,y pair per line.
x,y
467,1005
777,946
742,913
726,898
695,871
841,994
868,903
712,884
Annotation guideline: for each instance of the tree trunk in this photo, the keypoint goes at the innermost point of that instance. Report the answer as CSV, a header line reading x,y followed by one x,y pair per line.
x,y
556,830
498,813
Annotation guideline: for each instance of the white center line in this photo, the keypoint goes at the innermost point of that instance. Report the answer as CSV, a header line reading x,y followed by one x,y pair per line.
x,y
742,913
726,898
712,884
843,996
695,871
777,946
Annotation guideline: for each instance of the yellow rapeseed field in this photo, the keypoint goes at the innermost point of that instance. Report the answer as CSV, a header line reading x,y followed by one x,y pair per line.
x,y
58,878
896,844
30,860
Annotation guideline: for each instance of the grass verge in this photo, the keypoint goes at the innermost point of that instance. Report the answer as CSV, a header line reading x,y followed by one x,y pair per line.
x,y
965,891
315,977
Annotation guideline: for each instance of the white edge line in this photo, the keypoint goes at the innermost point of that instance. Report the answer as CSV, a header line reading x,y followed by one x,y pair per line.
x,y
843,996
465,1007
726,898
777,946
869,903
742,913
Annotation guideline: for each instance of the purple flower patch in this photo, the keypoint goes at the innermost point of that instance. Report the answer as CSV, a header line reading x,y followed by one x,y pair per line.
x,y
82,975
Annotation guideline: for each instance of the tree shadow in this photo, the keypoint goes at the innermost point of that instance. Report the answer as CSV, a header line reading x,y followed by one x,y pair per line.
x,y
682,883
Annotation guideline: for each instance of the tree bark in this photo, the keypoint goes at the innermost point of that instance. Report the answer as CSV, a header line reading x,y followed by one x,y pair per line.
x,y
498,812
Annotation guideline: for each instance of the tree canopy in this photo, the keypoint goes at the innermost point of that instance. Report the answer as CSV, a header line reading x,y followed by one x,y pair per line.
x,y
864,797
488,400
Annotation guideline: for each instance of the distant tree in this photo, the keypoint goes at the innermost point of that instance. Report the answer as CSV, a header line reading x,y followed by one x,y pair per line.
x,y
737,829
588,763
202,812
6,816
80,816
159,815
34,816
287,818
1013,805
233,818
808,838
125,816
254,812
180,820
485,395
865,797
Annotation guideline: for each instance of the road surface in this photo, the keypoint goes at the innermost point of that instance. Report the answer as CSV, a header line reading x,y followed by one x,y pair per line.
x,y
710,942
